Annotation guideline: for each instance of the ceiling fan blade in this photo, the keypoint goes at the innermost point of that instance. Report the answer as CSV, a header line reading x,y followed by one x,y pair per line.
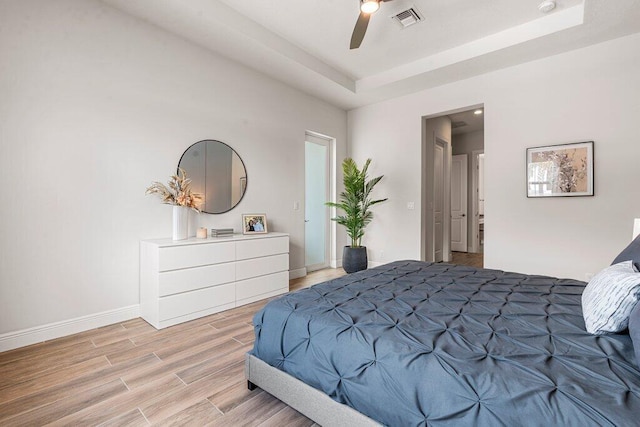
x,y
360,29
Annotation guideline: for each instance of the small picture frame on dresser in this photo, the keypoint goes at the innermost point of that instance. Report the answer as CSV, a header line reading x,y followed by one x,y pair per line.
x,y
254,223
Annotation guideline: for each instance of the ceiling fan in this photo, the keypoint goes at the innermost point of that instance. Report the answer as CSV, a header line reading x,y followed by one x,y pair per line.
x,y
367,8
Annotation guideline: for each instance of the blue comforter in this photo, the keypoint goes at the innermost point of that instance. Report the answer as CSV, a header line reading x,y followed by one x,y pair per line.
x,y
412,343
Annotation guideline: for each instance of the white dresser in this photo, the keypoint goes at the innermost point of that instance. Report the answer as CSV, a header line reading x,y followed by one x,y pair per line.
x,y
186,279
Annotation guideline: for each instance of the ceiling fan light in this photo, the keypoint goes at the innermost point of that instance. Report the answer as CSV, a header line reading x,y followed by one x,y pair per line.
x,y
369,6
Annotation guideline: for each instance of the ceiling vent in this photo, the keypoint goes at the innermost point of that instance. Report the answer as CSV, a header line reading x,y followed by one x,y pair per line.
x,y
459,124
408,17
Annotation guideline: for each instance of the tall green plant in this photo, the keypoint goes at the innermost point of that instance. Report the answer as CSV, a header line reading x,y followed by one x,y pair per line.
x,y
356,200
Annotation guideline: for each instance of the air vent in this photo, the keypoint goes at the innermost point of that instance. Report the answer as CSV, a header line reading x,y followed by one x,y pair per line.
x,y
408,17
459,124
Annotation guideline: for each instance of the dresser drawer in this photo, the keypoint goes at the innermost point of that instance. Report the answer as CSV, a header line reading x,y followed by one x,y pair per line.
x,y
258,286
246,249
261,266
187,256
194,301
176,281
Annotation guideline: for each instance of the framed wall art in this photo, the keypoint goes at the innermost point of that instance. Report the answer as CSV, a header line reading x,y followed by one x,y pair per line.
x,y
254,223
564,170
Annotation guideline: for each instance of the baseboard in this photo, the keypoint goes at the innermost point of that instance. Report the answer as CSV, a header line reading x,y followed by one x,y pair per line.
x,y
50,331
297,273
336,263
372,264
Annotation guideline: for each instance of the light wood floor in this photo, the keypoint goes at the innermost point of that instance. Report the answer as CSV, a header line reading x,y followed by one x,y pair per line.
x,y
468,258
130,374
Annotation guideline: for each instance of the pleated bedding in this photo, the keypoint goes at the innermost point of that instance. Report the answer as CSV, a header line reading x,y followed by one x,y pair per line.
x,y
414,344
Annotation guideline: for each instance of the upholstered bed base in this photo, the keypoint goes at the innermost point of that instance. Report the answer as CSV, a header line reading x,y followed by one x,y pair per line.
x,y
302,397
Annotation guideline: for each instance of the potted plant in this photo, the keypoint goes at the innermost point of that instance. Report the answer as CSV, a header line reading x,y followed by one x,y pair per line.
x,y
355,201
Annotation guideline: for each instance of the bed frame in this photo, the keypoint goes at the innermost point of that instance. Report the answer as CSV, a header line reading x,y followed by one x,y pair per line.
x,y
302,397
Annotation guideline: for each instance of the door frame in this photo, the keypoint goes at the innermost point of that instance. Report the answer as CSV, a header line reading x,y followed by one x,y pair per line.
x,y
426,204
330,194
427,234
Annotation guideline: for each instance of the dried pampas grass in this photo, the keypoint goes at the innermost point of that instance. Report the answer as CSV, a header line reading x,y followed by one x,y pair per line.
x,y
178,193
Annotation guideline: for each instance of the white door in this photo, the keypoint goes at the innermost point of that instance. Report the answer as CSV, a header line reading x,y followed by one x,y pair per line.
x,y
459,216
474,217
438,207
316,227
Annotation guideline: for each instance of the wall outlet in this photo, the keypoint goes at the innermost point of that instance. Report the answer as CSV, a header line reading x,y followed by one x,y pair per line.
x,y
381,254
411,205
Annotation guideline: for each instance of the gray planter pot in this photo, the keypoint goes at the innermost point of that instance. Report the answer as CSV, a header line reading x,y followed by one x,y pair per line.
x,y
354,259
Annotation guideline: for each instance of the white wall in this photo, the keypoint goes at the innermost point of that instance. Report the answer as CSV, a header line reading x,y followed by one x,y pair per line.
x,y
588,94
94,106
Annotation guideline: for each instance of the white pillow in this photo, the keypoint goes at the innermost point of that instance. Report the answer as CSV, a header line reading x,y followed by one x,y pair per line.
x,y
609,298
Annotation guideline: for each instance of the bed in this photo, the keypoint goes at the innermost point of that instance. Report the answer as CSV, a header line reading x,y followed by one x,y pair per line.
x,y
413,343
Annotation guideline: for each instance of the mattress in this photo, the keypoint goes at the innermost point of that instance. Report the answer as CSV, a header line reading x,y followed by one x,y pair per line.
x,y
413,343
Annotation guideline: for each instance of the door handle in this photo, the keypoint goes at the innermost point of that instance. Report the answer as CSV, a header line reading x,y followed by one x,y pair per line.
x,y
306,220
463,215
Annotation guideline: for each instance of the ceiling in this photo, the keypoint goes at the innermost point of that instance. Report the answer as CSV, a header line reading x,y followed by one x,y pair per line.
x,y
305,43
466,121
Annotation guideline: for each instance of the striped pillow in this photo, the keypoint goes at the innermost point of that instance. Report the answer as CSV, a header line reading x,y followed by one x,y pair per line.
x,y
609,297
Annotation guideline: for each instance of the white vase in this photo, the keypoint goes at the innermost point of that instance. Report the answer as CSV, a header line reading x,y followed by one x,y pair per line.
x,y
180,223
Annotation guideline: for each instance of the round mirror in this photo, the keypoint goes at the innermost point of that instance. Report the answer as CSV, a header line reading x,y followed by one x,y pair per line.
x,y
217,172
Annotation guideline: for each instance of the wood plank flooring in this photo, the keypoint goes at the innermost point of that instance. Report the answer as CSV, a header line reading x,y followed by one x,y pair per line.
x,y
468,258
130,374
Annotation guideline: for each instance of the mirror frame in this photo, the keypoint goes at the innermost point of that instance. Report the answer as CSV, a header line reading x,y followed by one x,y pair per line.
x,y
246,174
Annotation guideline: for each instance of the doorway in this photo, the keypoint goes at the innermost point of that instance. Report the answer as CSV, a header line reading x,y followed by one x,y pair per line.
x,y
317,171
448,164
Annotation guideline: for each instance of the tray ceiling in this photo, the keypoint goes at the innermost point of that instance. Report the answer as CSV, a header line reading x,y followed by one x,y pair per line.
x,y
306,43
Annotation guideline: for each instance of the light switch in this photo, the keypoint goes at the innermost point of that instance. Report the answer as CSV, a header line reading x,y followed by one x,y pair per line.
x,y
296,206
411,205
